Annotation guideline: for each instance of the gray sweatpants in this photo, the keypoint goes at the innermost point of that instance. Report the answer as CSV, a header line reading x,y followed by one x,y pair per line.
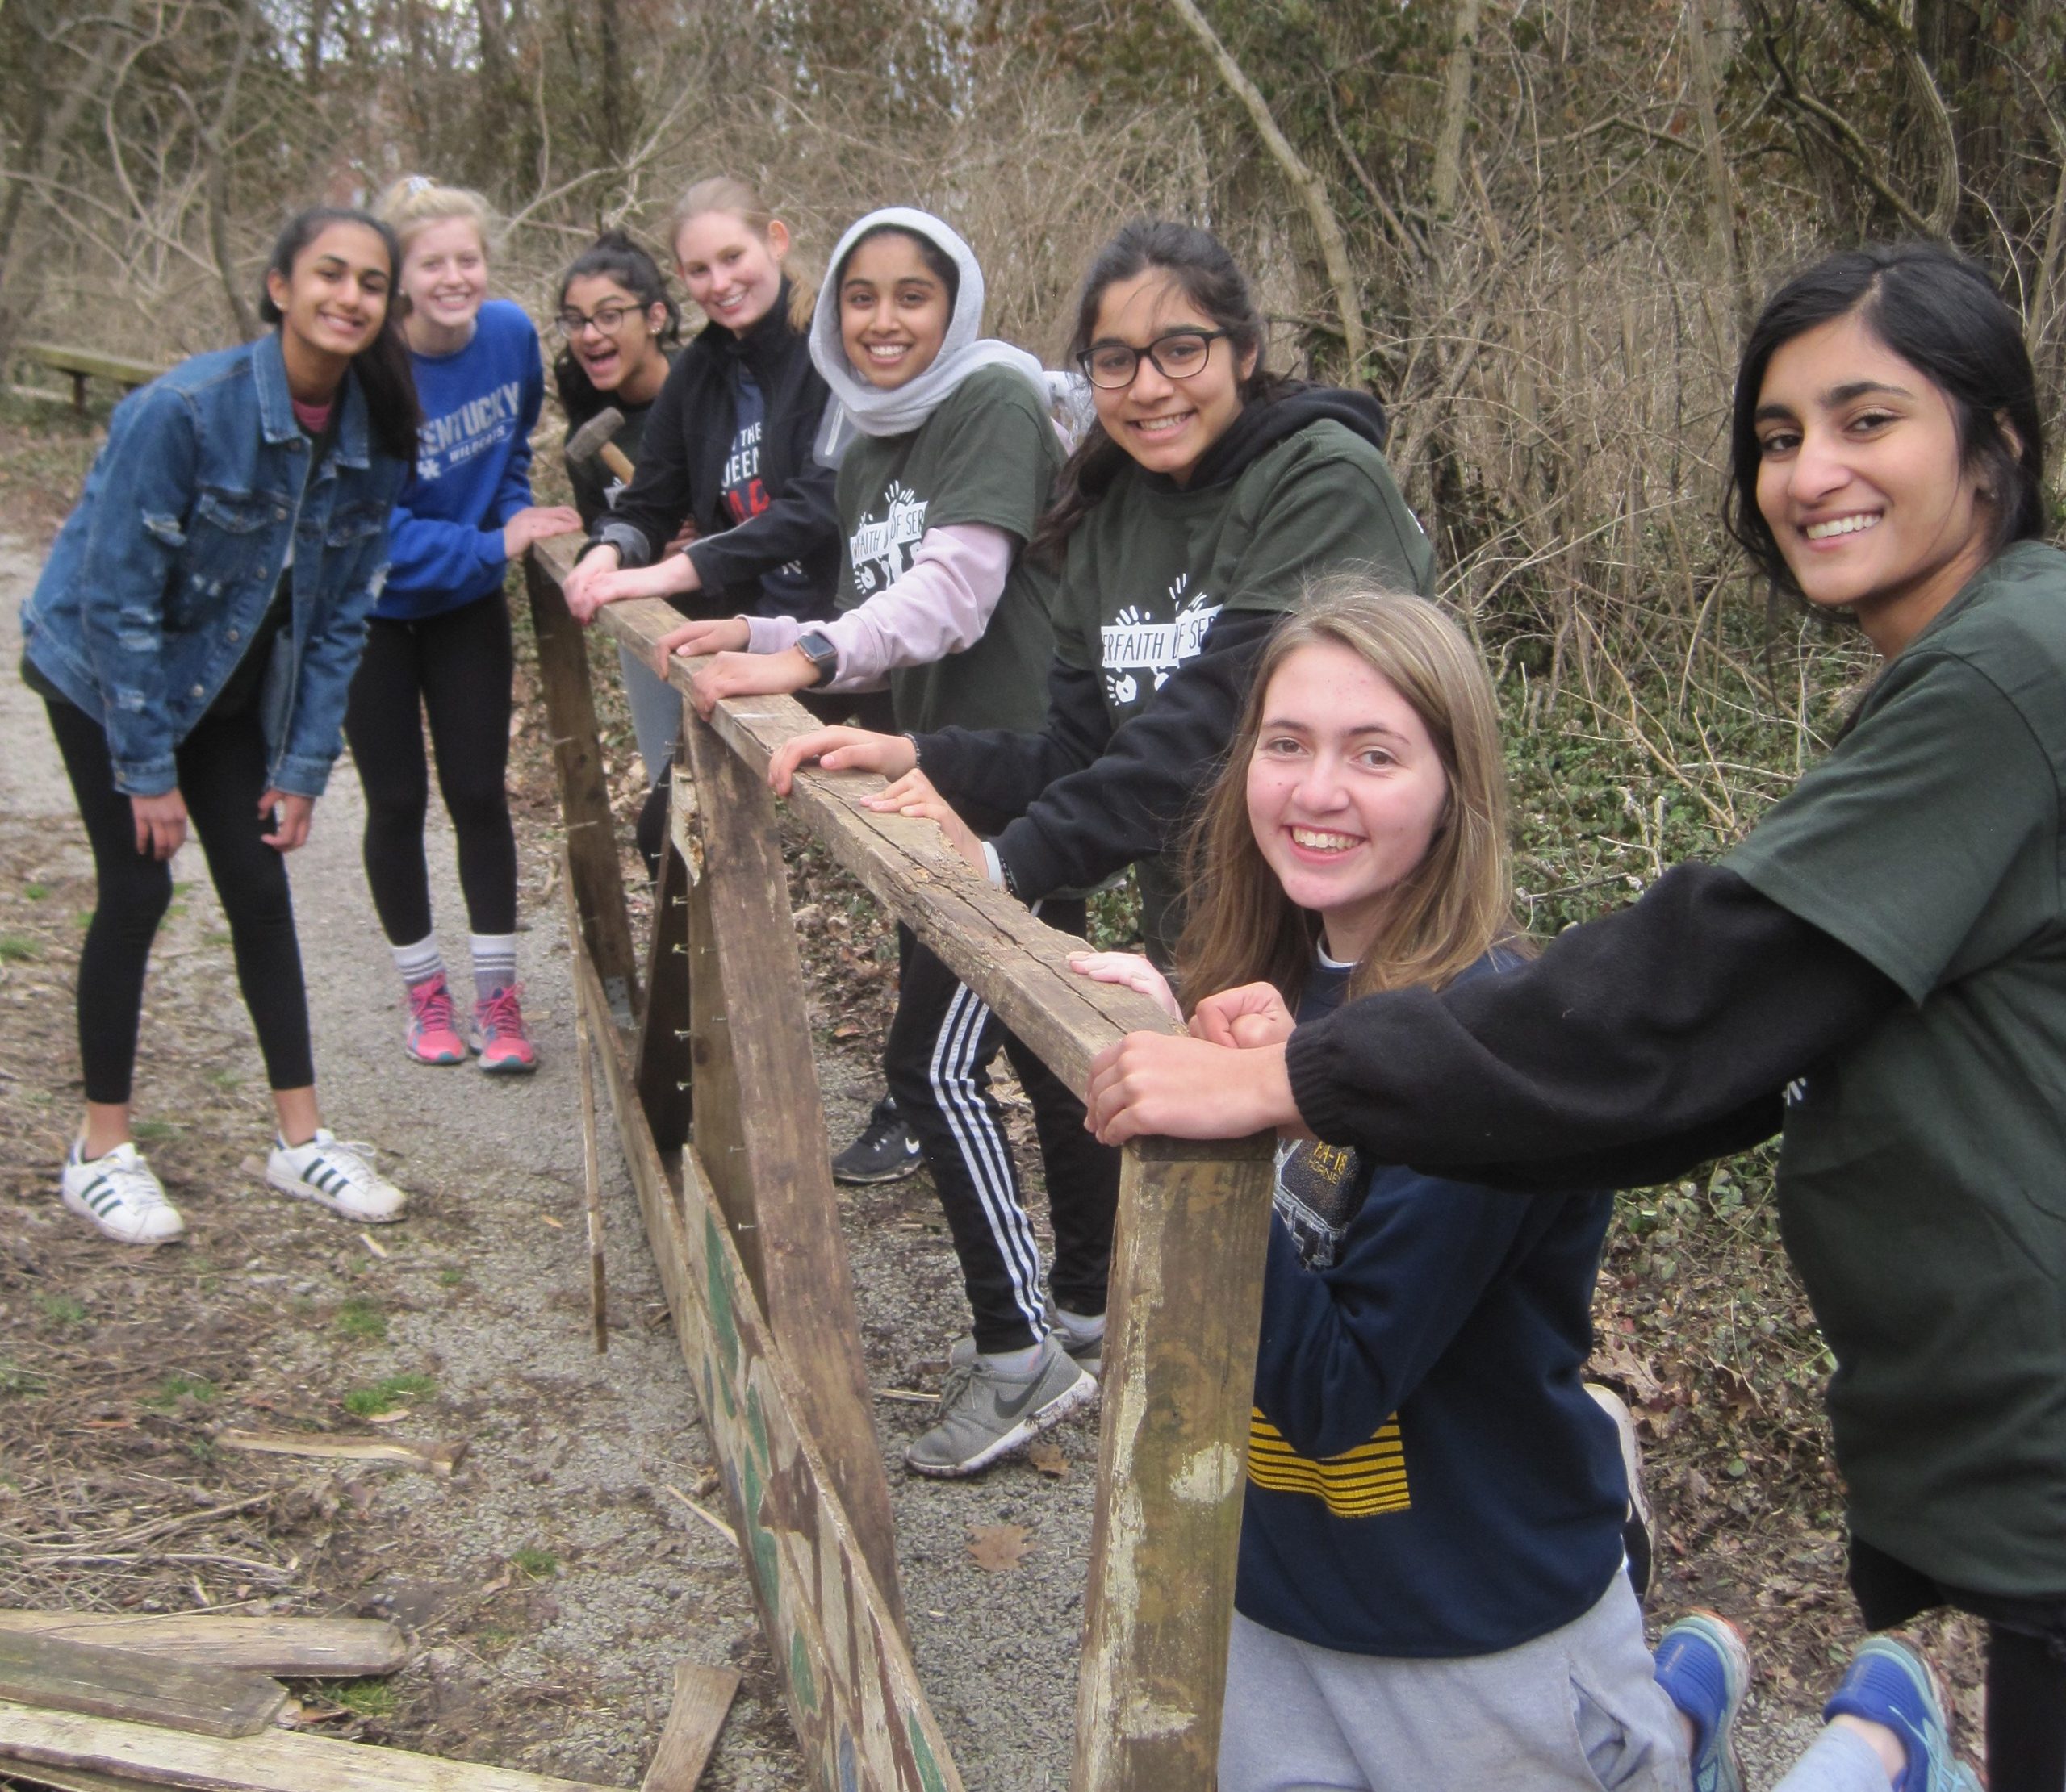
x,y
655,713
1577,1709
1839,1760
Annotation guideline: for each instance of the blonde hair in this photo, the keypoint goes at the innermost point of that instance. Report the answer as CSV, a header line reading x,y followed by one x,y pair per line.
x,y
416,202
737,198
1446,913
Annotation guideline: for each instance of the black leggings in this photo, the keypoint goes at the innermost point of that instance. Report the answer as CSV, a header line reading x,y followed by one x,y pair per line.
x,y
455,668
221,768
2026,1662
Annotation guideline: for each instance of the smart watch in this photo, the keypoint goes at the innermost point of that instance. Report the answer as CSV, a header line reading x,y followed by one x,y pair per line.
x,y
816,647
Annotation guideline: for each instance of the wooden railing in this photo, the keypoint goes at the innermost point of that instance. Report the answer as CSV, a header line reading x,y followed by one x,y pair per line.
x,y
82,364
718,1109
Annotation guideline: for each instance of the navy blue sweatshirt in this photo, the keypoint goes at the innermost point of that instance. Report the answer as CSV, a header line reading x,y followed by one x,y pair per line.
x,y
1428,1476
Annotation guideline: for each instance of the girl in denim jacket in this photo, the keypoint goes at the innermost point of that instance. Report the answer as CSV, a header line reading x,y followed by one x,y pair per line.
x,y
193,637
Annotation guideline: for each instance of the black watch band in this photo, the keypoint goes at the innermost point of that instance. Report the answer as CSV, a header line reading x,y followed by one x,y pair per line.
x,y
816,647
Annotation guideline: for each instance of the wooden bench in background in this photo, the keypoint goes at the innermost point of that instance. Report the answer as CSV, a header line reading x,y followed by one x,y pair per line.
x,y
82,364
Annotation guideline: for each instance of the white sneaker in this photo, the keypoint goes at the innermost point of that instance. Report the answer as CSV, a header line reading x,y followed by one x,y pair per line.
x,y
337,1175
120,1195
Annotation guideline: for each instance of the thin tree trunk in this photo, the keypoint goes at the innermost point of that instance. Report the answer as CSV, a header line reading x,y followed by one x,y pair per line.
x,y
1334,245
1721,197
1455,108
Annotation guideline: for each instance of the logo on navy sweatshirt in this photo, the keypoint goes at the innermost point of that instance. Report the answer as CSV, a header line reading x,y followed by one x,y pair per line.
x,y
1137,641
447,442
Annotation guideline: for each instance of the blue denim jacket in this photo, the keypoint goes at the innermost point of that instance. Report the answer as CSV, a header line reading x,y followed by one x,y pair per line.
x,y
159,578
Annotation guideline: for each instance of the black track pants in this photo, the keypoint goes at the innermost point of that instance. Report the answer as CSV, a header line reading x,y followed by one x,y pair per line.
x,y
454,668
941,1045
221,768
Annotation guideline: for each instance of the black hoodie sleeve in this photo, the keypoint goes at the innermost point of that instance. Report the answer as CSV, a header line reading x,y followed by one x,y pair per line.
x,y
803,518
662,494
1634,1048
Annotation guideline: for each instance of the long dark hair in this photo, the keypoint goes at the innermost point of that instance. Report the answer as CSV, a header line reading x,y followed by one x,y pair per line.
x,y
613,256
1940,313
1199,264
382,366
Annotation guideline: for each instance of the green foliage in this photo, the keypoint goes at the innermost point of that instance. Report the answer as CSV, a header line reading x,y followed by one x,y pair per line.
x,y
368,1697
18,949
177,1386
64,1309
384,1395
361,1318
535,1563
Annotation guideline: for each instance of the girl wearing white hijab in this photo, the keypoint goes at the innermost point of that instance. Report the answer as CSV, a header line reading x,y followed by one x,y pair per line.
x,y
950,454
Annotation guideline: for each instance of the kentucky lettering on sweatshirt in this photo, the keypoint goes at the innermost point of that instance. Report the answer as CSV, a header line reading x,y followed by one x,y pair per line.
x,y
473,467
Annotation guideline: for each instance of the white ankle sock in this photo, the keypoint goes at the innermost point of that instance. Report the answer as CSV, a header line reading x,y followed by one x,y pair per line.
x,y
494,963
1079,1328
419,962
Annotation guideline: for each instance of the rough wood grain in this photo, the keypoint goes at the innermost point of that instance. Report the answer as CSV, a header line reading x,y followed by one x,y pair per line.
x,y
59,1673
778,1138
703,1696
584,798
1180,1356
274,1761
591,1156
334,1648
64,1779
1016,964
848,1680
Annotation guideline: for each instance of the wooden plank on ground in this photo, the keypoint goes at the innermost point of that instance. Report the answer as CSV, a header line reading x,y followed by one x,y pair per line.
x,y
1065,1018
703,1696
432,1458
66,1779
853,1694
60,1672
778,1137
340,1648
1180,1359
278,1760
584,796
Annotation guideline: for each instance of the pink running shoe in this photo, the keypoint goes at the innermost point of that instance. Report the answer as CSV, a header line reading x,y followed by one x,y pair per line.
x,y
433,1038
499,1035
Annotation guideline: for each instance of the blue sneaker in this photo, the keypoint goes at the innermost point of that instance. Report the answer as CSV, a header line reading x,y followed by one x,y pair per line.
x,y
1889,1682
1703,1666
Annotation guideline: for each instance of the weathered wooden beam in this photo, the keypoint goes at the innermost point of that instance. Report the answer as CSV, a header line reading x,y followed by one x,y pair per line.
x,y
703,1696
274,1761
853,1694
777,1135
1180,1355
335,1648
60,1672
584,796
1014,962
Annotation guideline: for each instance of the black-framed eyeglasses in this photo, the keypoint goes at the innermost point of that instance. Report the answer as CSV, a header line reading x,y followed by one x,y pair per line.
x,y
1181,354
608,318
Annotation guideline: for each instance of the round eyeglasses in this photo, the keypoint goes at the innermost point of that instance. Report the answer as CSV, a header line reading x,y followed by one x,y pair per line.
x,y
1181,354
608,318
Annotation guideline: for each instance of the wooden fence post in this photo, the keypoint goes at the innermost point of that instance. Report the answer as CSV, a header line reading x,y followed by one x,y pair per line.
x,y
767,1118
1180,1352
584,798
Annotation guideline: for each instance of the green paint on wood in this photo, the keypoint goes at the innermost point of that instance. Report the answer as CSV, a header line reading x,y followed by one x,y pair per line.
x,y
767,1565
929,1773
803,1683
723,1321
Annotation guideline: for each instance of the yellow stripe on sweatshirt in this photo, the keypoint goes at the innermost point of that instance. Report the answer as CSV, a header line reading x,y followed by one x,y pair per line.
x,y
1357,1484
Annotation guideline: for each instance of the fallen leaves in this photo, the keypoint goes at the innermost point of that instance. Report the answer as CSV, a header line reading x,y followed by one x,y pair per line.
x,y
1047,1458
999,1548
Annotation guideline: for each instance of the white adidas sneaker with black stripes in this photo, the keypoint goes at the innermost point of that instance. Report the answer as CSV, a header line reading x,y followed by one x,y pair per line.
x,y
336,1174
120,1196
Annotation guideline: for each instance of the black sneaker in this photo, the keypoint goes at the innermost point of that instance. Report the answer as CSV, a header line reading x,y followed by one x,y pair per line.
x,y
886,1151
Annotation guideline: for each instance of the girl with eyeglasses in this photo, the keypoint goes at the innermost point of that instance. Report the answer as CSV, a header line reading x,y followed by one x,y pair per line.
x,y
1204,494
438,647
620,328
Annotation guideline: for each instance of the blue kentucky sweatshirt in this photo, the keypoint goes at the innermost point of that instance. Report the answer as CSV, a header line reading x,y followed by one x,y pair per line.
x,y
473,469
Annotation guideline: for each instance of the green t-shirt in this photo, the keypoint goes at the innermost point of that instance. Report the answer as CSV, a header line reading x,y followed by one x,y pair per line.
x,y
1922,1174
1151,564
988,455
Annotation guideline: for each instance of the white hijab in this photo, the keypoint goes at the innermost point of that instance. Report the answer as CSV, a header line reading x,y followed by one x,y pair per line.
x,y
857,407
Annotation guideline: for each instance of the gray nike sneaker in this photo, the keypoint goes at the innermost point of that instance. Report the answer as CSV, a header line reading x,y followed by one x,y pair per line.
x,y
986,1414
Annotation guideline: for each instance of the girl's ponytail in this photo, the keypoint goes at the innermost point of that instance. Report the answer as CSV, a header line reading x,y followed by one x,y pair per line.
x,y
383,368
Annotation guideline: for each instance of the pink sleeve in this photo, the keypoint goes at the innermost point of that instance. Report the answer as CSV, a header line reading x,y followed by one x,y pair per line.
x,y
771,634
942,604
